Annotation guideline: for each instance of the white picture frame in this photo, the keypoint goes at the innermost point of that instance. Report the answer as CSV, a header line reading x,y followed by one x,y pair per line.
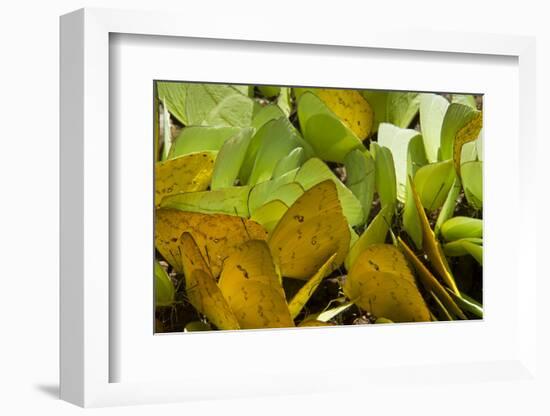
x,y
87,356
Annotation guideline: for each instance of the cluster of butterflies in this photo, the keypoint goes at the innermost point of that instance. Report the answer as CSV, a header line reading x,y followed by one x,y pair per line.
x,y
233,267
244,201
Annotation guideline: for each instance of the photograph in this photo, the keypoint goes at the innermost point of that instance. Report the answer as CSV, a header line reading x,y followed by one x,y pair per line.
x,y
313,206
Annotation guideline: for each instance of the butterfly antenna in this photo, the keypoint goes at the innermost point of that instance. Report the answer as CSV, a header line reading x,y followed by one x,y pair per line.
x,y
394,240
386,221
207,254
185,298
244,225
178,285
180,256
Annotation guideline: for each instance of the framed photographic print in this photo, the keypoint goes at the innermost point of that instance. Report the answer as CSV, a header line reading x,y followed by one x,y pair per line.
x,y
247,216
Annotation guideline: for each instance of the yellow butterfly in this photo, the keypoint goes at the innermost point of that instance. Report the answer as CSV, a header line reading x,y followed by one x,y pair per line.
x,y
189,173
250,284
308,242
348,105
381,282
351,108
217,235
310,231
202,290
249,293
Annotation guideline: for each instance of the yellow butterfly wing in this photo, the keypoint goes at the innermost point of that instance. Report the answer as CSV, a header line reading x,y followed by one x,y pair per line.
x,y
269,214
217,235
431,244
201,288
189,173
306,291
310,231
466,134
381,282
429,281
250,284
351,108
251,261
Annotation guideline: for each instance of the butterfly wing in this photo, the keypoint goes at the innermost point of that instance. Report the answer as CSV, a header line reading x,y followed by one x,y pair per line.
x,y
310,231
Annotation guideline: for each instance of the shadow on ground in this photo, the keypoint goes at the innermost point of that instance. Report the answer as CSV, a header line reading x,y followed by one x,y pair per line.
x,y
51,390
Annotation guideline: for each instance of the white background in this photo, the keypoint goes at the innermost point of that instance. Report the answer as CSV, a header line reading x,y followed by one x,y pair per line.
x,y
29,185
